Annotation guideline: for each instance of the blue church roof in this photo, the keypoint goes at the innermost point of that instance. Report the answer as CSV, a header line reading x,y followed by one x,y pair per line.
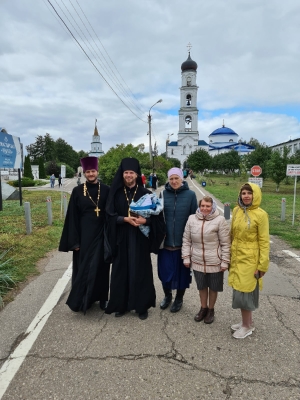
x,y
223,131
241,147
200,143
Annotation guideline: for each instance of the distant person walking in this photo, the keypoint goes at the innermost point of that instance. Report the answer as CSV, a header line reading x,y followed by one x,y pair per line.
x,y
144,180
52,180
249,256
154,182
59,180
150,180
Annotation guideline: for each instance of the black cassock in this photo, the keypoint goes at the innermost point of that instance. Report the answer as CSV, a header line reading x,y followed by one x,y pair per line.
x,y
132,286
83,229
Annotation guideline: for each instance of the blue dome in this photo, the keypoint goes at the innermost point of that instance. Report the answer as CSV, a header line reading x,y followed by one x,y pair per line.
x,y
223,131
189,64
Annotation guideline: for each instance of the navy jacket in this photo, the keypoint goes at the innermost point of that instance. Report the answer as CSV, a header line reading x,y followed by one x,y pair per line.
x,y
178,206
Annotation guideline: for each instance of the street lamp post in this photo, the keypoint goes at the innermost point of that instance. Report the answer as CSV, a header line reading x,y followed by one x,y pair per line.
x,y
167,142
149,122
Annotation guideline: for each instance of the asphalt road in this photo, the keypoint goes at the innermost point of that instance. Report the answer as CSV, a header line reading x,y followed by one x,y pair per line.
x,y
49,352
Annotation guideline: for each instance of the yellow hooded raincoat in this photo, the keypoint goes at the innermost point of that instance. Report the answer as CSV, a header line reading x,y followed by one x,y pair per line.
x,y
250,244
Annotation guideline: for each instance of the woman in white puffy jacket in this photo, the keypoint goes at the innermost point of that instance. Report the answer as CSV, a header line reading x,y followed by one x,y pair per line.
x,y
206,248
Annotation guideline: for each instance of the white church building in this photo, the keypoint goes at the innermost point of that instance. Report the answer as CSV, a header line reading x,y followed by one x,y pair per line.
x,y
96,145
221,140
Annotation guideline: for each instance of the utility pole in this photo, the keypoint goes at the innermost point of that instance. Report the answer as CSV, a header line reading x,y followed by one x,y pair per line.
x,y
149,123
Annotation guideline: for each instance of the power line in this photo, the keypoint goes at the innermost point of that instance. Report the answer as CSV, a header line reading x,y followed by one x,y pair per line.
x,y
114,77
91,61
107,53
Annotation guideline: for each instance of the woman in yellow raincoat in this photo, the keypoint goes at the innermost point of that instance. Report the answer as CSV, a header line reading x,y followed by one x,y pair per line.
x,y
249,256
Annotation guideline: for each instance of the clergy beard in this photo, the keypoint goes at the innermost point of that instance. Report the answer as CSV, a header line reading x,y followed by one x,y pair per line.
x,y
95,180
130,184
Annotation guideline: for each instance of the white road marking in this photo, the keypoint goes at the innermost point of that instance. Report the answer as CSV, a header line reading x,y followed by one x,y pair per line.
x,y
15,360
290,253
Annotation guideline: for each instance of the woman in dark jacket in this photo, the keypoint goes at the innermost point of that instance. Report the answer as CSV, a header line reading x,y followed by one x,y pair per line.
x,y
179,203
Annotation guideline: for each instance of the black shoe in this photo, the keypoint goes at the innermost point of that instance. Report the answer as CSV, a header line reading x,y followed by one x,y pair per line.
x,y
176,306
166,302
120,314
103,304
143,315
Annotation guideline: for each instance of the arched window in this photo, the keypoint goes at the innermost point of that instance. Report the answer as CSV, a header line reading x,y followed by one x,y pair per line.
x,y
188,122
188,81
172,152
230,140
188,100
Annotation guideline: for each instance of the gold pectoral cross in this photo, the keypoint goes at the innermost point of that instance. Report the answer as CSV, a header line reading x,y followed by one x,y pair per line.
x,y
97,210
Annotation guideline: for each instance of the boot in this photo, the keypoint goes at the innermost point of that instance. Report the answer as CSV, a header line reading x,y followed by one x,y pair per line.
x,y
201,314
176,306
167,300
209,319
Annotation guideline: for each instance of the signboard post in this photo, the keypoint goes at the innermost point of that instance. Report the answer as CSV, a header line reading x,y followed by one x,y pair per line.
x,y
293,170
257,181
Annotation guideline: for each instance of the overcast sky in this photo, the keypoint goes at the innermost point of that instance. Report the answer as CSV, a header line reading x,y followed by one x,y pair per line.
x,y
247,53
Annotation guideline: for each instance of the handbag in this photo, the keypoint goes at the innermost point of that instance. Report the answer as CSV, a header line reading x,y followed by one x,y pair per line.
x,y
162,245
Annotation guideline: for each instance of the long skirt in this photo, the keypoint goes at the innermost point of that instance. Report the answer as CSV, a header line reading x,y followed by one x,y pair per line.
x,y
171,271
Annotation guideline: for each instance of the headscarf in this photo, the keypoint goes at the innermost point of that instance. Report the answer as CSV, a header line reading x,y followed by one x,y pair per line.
x,y
246,186
214,206
175,171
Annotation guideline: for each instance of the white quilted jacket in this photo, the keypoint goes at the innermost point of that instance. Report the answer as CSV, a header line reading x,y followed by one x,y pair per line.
x,y
206,242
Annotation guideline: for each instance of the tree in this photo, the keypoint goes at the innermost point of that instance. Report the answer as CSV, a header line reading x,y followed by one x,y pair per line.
x,y
231,161
109,163
199,160
276,166
66,154
43,147
175,162
260,156
27,168
42,172
295,158
226,162
52,167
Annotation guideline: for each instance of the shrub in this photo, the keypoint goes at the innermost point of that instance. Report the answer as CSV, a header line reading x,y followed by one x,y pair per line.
x,y
25,182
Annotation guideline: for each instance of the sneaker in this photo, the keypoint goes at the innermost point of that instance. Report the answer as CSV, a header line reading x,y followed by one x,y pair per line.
x,y
236,327
242,333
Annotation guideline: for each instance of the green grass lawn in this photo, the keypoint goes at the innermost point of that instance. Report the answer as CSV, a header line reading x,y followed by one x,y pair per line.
x,y
25,250
226,189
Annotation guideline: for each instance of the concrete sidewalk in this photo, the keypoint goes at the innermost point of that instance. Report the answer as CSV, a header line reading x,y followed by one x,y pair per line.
x,y
98,356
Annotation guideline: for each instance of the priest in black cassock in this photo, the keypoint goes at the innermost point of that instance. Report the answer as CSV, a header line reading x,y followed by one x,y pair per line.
x,y
83,233
131,286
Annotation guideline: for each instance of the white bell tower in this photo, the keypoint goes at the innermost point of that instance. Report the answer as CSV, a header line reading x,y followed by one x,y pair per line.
x,y
188,112
96,145
188,134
